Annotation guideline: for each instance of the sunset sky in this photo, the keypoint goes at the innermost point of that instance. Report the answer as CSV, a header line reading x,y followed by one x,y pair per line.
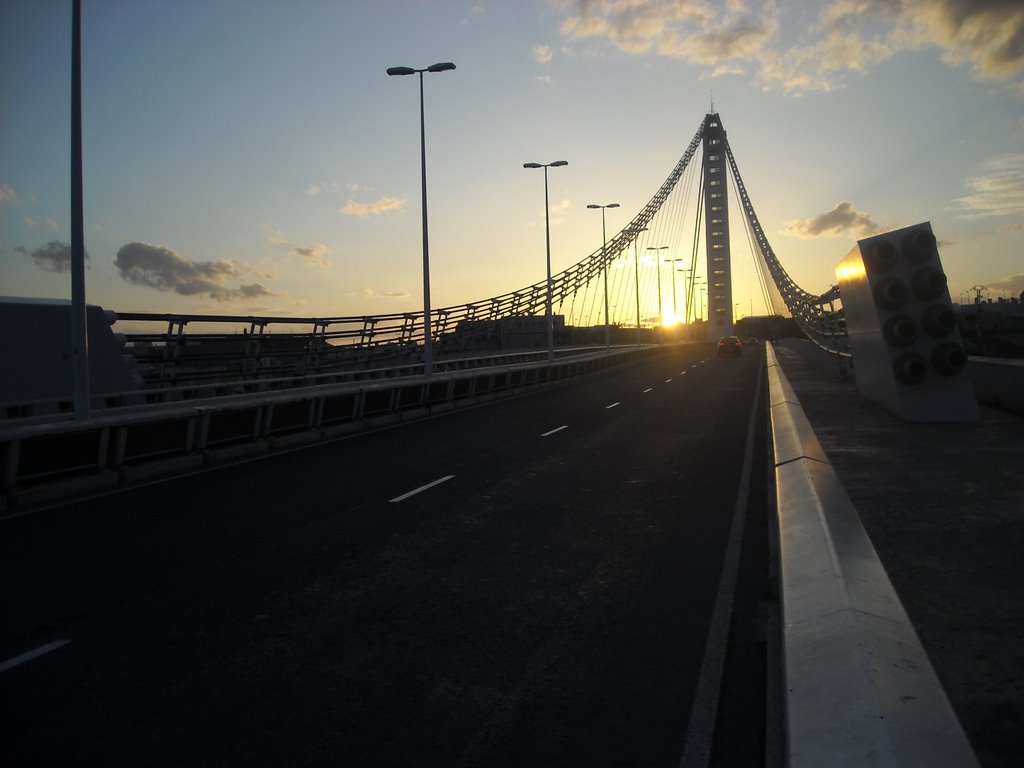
x,y
252,157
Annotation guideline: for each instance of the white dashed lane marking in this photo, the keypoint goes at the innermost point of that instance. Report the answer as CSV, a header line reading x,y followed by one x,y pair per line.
x,y
29,655
422,488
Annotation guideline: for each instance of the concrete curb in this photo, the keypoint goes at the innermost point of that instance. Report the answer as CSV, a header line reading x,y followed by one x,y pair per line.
x,y
859,689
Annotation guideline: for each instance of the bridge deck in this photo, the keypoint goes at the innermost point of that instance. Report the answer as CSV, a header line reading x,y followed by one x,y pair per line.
x,y
944,506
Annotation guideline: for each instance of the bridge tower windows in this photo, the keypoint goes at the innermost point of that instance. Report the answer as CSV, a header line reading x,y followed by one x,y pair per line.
x,y
716,227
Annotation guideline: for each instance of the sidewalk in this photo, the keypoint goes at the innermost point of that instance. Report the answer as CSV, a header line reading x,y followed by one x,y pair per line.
x,y
944,506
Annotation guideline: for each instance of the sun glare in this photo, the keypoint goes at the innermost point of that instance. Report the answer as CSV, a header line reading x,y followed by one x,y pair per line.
x,y
669,318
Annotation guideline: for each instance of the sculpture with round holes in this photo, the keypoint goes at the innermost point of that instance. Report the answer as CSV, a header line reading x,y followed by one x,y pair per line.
x,y
907,352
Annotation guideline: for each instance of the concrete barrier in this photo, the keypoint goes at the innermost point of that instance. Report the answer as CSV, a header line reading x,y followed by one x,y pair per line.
x,y
998,382
859,689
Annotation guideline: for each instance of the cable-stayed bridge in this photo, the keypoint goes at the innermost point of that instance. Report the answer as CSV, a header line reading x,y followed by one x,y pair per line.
x,y
685,222
264,548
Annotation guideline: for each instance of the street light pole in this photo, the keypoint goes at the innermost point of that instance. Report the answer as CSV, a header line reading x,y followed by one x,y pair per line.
x,y
657,252
636,278
428,339
548,317
675,303
604,266
79,317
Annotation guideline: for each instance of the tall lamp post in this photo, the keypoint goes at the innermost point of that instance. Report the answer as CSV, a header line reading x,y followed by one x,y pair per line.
x,y
675,301
548,317
686,311
604,266
79,318
428,340
657,252
636,279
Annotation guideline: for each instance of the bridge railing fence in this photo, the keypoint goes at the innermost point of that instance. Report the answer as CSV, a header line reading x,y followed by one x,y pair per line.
x,y
49,459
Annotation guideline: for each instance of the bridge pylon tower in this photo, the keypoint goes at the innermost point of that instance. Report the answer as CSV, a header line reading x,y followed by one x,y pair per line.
x,y
716,229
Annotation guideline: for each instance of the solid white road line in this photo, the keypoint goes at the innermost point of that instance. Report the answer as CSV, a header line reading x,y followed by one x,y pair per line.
x,y
700,731
422,488
29,655
556,429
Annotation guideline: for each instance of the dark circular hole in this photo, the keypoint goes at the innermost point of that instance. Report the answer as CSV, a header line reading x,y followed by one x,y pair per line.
x,y
900,330
949,358
928,283
881,256
890,293
911,368
938,321
919,245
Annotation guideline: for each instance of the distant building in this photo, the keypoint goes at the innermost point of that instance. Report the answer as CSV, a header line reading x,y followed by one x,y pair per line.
x,y
993,328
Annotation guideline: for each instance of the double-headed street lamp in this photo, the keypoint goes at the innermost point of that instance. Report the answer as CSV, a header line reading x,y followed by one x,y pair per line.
x,y
604,265
428,341
657,252
549,319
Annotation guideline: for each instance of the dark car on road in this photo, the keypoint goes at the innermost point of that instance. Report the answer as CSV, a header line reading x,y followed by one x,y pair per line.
x,y
729,345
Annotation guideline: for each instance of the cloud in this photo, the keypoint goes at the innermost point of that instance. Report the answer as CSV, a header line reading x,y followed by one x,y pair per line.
x,y
372,293
54,257
475,10
8,195
999,191
381,206
252,291
317,188
986,34
31,223
160,268
542,54
313,254
808,54
690,29
556,213
1013,284
841,220
546,79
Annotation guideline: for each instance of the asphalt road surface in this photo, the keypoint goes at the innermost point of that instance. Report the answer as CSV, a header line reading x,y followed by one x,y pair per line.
x,y
575,577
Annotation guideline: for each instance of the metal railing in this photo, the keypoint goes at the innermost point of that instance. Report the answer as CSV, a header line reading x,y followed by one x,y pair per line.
x,y
48,460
